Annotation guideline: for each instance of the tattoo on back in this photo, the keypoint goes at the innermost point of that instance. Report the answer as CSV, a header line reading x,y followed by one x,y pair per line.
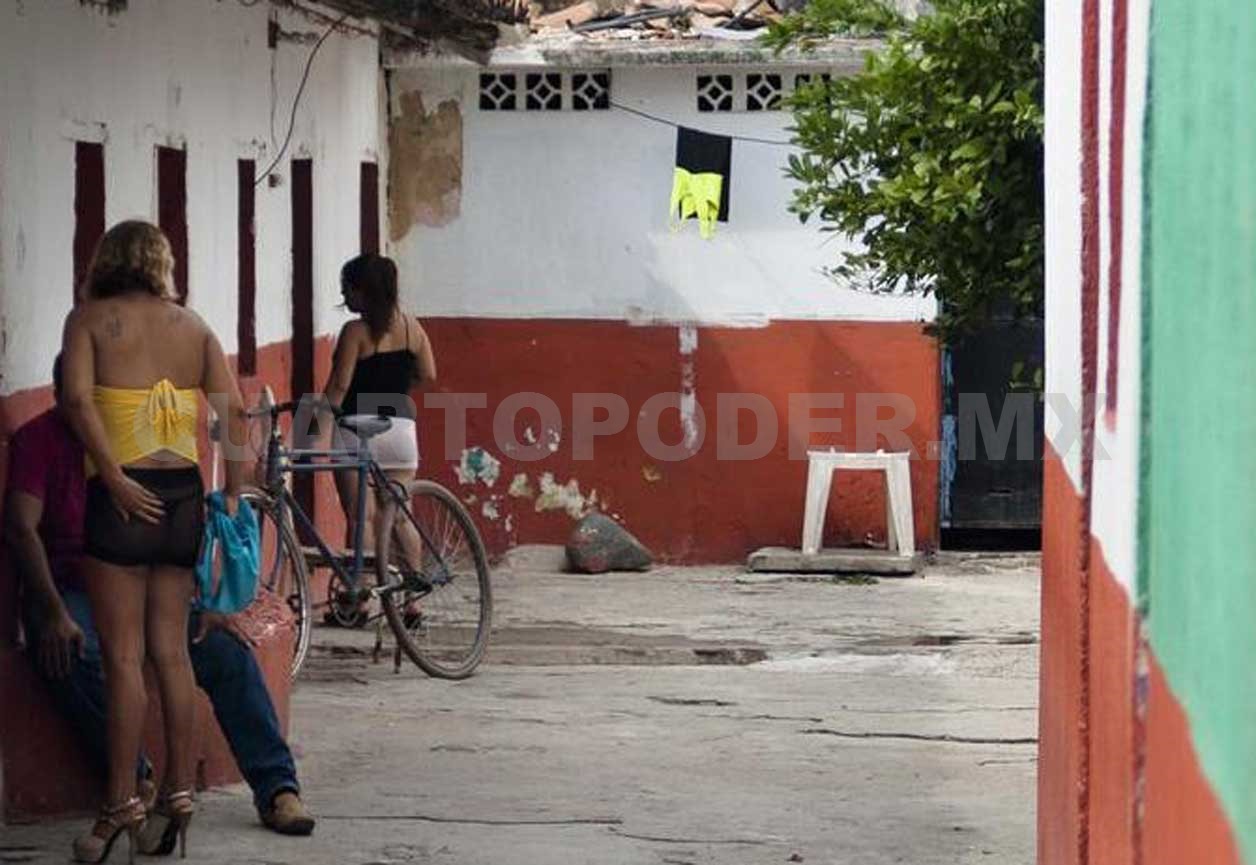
x,y
113,326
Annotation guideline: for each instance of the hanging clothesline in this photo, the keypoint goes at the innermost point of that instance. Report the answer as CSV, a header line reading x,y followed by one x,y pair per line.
x,y
674,125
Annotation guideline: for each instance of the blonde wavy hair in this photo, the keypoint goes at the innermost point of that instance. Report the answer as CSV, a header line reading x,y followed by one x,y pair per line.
x,y
132,256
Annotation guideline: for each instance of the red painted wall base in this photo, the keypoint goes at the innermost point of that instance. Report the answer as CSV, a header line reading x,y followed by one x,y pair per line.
x,y
1112,747
1184,822
700,509
1173,816
1059,694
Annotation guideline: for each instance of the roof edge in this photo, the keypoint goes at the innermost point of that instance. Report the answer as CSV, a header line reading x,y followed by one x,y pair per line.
x,y
841,56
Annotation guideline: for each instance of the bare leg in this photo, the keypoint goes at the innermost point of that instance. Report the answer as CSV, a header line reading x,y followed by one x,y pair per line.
x,y
169,596
347,491
117,597
408,546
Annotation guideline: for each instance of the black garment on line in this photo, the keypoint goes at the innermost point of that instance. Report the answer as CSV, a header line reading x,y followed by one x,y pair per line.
x,y
702,153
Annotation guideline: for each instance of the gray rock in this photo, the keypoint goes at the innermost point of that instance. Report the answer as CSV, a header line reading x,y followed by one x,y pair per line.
x,y
599,544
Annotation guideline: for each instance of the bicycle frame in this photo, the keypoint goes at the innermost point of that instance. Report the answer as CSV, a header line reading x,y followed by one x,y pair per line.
x,y
288,501
281,461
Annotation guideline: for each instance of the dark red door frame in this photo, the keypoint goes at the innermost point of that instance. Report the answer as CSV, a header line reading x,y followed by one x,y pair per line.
x,y
89,205
302,379
368,207
172,210
246,269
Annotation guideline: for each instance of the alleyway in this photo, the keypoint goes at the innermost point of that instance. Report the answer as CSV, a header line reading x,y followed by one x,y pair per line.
x,y
689,715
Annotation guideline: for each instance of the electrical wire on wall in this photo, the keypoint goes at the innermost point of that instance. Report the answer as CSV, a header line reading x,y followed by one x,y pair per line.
x,y
674,125
296,100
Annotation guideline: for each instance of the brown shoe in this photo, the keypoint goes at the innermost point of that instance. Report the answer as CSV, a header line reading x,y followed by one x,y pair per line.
x,y
287,815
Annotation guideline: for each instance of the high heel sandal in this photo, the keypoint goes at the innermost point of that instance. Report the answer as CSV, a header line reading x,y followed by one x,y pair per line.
x,y
113,821
168,824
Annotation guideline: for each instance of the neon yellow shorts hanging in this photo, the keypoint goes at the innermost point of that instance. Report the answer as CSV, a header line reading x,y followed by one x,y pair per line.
x,y
696,195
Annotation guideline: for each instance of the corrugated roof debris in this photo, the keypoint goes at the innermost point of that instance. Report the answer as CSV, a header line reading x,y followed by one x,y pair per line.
x,y
470,25
587,33
657,19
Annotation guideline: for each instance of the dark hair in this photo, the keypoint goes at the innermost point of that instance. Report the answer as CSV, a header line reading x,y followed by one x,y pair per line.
x,y
56,377
375,276
132,256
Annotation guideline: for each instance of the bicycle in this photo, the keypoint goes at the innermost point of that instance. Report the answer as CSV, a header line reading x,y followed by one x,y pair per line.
x,y
439,608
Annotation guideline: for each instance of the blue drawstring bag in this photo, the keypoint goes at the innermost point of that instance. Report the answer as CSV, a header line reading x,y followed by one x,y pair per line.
x,y
235,542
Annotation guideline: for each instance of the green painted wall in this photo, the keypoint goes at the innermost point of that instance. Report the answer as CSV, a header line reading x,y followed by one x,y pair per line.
x,y
1197,575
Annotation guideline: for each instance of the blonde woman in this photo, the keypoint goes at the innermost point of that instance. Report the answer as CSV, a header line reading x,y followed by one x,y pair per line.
x,y
136,363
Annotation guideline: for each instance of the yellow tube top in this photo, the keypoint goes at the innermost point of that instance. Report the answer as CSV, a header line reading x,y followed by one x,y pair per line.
x,y
140,423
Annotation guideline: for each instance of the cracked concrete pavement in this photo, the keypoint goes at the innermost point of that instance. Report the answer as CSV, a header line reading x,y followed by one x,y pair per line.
x,y
687,715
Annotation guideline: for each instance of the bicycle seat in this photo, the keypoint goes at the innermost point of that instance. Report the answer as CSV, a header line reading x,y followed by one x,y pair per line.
x,y
366,427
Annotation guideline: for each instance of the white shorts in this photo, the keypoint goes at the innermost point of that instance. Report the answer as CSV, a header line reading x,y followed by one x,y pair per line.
x,y
395,450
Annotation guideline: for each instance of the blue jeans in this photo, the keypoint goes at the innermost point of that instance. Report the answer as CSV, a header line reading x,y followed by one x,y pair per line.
x,y
225,670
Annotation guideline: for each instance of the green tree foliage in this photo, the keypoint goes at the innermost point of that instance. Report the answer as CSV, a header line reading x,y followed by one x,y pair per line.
x,y
931,157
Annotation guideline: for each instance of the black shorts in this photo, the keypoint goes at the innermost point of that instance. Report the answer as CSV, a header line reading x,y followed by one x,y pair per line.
x,y
176,540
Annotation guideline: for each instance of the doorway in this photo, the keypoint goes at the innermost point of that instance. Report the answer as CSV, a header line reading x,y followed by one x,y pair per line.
x,y
991,482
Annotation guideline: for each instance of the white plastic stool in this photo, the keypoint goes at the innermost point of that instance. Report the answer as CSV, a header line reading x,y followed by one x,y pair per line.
x,y
900,528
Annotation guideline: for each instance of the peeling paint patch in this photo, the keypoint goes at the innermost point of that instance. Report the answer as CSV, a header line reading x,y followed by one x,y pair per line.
x,y
521,487
688,339
425,166
688,386
478,464
529,435
564,497
489,509
689,412
555,438
639,316
650,473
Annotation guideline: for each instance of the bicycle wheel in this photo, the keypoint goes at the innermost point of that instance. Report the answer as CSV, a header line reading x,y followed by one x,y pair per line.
x,y
434,576
282,571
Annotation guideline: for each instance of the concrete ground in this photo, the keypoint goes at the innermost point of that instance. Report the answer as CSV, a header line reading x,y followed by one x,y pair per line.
x,y
687,715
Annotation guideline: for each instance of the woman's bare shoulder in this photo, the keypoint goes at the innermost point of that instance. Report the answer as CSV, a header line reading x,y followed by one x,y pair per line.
x,y
86,312
354,329
96,316
184,320
184,314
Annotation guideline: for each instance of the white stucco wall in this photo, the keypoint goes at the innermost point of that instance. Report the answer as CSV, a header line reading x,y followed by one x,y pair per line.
x,y
192,73
564,215
1114,516
1114,519
1063,226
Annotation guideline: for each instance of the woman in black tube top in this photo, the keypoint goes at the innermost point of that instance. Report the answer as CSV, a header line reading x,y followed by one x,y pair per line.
x,y
380,358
